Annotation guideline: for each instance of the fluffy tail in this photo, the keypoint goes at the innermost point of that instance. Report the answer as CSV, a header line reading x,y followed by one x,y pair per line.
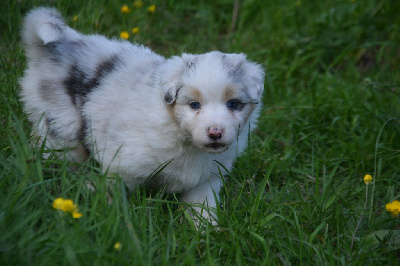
x,y
43,26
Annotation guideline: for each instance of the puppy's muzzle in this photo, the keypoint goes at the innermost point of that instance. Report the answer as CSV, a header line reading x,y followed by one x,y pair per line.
x,y
216,135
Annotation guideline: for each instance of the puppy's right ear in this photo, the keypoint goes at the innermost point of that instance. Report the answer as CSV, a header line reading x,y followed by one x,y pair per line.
x,y
171,74
170,78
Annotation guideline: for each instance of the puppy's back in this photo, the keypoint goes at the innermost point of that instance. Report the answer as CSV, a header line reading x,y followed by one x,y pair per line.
x,y
64,67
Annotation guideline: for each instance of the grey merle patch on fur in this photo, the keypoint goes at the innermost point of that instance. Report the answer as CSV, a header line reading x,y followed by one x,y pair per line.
x,y
47,90
53,52
50,125
191,64
82,135
57,50
235,71
79,83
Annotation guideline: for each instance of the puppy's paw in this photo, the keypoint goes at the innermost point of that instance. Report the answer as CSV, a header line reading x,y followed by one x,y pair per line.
x,y
200,217
91,185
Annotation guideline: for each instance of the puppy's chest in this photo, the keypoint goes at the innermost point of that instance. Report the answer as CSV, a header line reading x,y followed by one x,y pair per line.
x,y
185,172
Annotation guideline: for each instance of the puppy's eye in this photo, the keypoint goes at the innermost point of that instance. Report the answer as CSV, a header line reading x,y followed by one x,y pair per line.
x,y
234,104
195,105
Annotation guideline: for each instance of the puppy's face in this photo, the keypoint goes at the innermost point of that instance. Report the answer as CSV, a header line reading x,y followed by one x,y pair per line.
x,y
211,97
212,119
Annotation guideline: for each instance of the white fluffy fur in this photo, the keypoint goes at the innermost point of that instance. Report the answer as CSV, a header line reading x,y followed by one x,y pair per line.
x,y
130,107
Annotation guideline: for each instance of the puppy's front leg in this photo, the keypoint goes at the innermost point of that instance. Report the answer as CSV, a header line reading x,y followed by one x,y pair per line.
x,y
206,193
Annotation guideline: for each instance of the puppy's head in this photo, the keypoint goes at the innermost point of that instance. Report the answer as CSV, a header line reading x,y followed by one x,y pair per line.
x,y
211,96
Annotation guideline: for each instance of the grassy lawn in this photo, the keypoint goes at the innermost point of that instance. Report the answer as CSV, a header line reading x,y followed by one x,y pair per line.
x,y
331,115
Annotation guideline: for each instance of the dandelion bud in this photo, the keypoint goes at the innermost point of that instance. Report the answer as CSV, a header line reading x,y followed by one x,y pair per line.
x,y
393,207
152,9
367,179
124,35
135,30
125,9
117,246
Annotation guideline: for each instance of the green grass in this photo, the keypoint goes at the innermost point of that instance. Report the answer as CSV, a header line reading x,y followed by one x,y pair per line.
x,y
331,115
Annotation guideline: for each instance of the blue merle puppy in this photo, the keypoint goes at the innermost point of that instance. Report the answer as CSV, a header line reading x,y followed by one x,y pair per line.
x,y
134,110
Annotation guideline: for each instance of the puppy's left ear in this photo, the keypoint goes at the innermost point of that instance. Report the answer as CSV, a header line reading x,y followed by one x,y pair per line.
x,y
250,74
254,80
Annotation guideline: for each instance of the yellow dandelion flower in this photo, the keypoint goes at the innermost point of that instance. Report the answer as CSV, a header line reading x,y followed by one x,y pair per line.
x,y
152,9
298,3
368,179
76,214
75,18
124,35
58,203
135,30
393,207
125,9
117,246
137,4
68,205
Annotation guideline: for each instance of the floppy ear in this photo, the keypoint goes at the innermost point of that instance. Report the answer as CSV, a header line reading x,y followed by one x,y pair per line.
x,y
254,80
171,73
251,74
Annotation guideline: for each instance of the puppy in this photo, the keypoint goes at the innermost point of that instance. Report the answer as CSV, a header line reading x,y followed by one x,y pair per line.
x,y
135,111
